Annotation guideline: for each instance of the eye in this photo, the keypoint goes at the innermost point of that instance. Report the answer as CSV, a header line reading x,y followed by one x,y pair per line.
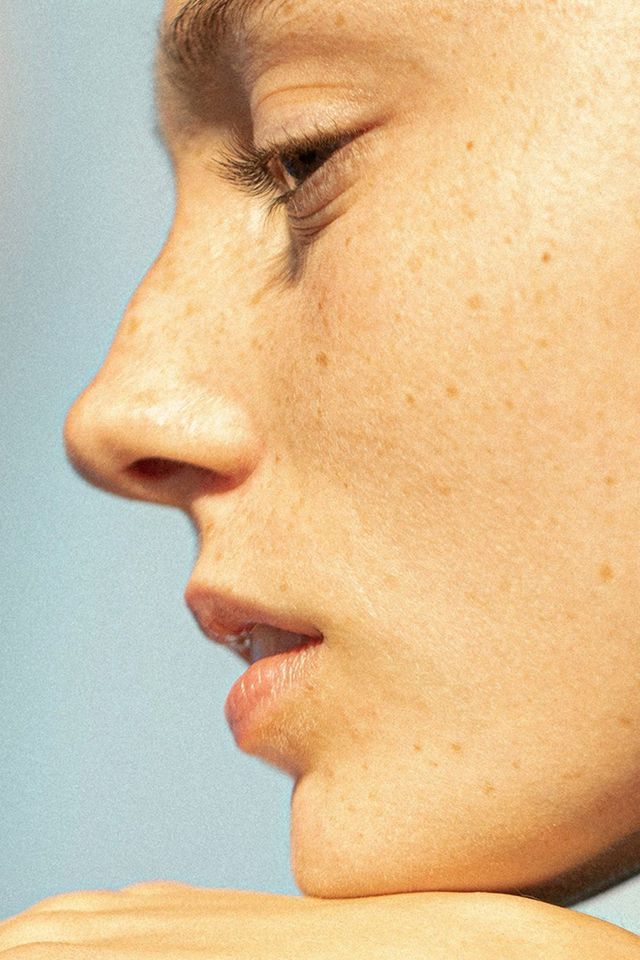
x,y
292,167
279,171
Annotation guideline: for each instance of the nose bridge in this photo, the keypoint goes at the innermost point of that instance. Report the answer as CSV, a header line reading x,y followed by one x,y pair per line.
x,y
164,416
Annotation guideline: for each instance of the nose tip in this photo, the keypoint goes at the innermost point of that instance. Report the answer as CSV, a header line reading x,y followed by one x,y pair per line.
x,y
165,449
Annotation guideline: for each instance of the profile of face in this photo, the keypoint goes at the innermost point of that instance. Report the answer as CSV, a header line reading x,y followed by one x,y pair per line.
x,y
388,360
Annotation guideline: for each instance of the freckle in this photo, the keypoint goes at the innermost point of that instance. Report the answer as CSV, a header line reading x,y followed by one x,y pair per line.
x,y
523,364
581,102
452,391
504,585
625,721
456,747
417,747
508,403
283,586
340,21
572,775
488,788
609,480
516,764
348,240
345,484
410,400
468,212
322,360
442,488
508,240
469,144
606,573
133,322
546,257
475,301
217,555
434,763
277,458
414,263
542,342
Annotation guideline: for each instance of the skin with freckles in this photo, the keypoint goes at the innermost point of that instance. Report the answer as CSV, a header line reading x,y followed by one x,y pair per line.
x,y
405,408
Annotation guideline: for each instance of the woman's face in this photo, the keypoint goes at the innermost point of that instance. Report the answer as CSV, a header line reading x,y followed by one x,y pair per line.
x,y
404,409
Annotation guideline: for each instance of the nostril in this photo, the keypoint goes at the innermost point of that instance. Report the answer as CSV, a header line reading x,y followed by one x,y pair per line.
x,y
153,468
176,479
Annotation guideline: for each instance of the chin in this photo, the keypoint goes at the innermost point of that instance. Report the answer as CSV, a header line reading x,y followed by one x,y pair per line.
x,y
365,843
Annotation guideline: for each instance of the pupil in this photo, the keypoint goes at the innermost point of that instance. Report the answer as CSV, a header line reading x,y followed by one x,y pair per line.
x,y
303,163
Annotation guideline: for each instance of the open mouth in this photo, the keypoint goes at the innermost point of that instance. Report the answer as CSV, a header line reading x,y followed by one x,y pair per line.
x,y
263,641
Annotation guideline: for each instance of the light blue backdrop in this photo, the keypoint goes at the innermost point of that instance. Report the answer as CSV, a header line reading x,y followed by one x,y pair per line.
x,y
117,763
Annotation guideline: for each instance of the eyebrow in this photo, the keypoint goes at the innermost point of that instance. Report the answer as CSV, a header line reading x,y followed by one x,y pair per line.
x,y
193,40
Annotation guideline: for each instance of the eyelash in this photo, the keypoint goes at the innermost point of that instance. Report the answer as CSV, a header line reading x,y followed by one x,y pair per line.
x,y
247,166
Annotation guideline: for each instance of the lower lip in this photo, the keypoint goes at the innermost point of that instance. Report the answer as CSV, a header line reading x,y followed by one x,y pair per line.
x,y
263,688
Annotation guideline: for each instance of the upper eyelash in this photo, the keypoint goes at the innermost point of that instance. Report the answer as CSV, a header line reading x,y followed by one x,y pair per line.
x,y
246,165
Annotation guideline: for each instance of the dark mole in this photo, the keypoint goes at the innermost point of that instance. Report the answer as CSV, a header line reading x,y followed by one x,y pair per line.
x,y
321,359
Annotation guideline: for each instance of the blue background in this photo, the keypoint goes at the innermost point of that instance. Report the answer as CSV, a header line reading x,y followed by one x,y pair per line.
x,y
117,763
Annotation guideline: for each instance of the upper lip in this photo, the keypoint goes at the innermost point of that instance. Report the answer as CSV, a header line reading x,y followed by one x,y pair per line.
x,y
221,616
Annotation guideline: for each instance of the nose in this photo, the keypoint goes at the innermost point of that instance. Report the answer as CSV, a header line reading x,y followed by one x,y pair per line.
x,y
152,427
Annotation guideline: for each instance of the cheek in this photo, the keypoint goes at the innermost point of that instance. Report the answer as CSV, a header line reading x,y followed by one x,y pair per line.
x,y
472,425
